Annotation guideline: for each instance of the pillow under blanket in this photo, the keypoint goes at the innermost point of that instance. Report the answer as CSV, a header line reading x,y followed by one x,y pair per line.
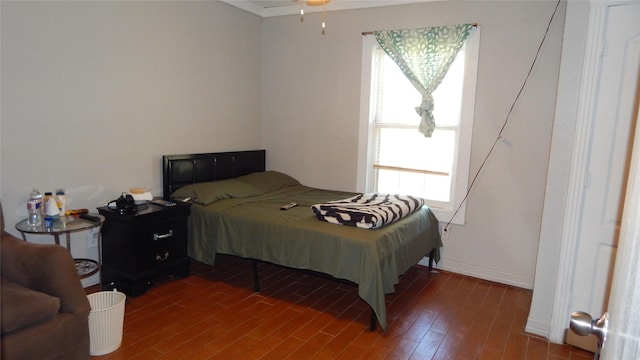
x,y
368,211
206,193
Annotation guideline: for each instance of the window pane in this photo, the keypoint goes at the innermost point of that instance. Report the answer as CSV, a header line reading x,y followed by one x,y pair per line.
x,y
437,188
447,99
432,187
398,97
407,148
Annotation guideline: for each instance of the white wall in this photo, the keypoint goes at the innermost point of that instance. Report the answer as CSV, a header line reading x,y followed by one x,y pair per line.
x,y
310,114
94,93
539,321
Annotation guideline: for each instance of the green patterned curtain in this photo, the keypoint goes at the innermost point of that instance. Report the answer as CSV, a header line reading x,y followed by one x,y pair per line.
x,y
424,56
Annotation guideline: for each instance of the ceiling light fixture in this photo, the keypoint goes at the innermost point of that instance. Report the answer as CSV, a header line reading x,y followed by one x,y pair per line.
x,y
313,3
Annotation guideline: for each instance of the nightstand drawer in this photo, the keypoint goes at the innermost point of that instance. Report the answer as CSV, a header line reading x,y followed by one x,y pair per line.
x,y
160,244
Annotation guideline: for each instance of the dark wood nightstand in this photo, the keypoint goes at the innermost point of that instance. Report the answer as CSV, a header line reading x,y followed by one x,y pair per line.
x,y
143,246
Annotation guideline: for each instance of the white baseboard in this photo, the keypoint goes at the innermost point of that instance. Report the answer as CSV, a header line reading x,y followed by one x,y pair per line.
x,y
482,273
539,328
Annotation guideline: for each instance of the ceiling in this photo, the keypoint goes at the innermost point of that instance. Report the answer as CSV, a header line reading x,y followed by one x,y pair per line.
x,y
272,3
268,8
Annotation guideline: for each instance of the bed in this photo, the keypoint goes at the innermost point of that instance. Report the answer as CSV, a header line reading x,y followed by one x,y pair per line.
x,y
236,210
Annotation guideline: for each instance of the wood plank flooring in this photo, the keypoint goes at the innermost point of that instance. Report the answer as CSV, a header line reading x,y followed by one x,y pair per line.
x,y
215,314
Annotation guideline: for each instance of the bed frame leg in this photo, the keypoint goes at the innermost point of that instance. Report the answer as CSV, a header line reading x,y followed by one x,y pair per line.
x,y
256,279
373,321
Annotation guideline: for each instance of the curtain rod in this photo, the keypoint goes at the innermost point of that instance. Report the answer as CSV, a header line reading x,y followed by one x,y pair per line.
x,y
364,33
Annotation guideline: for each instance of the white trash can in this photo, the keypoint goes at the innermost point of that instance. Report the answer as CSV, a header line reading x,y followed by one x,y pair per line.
x,y
106,320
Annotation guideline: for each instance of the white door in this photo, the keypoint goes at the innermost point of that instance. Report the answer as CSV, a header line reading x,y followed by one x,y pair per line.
x,y
611,139
623,340
619,330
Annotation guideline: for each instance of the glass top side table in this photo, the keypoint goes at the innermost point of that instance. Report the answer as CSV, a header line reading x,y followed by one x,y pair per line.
x,y
65,225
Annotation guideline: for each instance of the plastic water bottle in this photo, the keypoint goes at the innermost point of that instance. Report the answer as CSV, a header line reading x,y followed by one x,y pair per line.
x,y
34,207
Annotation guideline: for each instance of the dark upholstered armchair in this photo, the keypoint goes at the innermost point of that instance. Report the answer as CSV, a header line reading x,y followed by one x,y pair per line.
x,y
44,309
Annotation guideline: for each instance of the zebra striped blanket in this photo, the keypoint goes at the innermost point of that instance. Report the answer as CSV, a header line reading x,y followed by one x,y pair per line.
x,y
368,211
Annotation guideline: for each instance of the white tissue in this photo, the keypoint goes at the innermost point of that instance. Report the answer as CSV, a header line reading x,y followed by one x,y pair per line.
x,y
142,198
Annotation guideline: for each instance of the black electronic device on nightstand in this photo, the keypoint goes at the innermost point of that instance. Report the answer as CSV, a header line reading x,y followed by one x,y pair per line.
x,y
143,246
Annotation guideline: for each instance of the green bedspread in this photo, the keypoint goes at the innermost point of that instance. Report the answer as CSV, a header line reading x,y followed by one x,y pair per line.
x,y
255,227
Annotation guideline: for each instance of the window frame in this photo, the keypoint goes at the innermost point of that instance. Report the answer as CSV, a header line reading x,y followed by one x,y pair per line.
x,y
444,211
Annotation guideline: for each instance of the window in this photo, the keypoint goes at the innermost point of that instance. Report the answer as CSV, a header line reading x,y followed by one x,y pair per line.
x,y
393,156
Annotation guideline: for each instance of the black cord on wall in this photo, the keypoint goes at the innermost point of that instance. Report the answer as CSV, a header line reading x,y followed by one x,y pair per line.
x,y
506,121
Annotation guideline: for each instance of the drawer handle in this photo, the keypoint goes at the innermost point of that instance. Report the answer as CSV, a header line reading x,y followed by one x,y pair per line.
x,y
163,236
160,257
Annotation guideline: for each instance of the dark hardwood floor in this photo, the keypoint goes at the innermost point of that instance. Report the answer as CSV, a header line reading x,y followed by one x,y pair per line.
x,y
215,314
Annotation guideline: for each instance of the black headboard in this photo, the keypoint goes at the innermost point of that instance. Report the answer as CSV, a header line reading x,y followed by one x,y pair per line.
x,y
181,170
